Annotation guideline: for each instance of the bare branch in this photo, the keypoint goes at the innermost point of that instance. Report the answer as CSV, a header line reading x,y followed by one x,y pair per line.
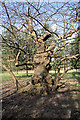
x,y
44,26
57,10
7,14
13,46
9,31
12,75
71,57
25,63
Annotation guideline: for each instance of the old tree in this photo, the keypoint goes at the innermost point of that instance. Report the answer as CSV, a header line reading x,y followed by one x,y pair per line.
x,y
41,32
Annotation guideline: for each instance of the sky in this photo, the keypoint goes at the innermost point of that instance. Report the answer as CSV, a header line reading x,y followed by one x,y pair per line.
x,y
37,0
41,0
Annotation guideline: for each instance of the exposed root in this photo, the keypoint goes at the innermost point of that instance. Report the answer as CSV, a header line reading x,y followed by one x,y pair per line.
x,y
37,89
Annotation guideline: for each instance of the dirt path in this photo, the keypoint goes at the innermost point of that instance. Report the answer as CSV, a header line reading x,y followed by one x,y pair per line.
x,y
57,105
61,104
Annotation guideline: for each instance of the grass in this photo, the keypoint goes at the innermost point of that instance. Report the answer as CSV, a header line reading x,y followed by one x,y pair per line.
x,y
6,77
70,75
73,76
22,76
71,80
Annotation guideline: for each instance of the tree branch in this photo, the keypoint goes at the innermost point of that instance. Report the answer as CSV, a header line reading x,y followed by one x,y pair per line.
x,y
13,44
7,14
44,26
17,65
32,31
12,75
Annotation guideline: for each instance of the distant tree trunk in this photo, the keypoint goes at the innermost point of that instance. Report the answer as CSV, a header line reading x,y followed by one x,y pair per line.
x,y
55,71
26,71
79,45
17,71
9,63
64,65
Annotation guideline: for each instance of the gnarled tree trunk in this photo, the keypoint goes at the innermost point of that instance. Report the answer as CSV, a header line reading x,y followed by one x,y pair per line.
x,y
42,66
41,61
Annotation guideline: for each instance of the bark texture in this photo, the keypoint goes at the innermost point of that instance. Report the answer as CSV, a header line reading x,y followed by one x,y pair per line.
x,y
42,66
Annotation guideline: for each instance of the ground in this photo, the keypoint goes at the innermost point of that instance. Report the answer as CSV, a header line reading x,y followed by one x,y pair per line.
x,y
63,103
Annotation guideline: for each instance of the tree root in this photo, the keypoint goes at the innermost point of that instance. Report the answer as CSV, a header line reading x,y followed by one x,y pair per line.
x,y
37,89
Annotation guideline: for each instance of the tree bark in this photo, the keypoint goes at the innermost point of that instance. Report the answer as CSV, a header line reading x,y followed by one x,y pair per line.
x,y
42,66
26,71
12,75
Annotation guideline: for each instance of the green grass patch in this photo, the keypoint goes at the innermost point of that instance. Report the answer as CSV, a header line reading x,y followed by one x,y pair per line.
x,y
72,75
54,74
68,75
6,77
22,76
